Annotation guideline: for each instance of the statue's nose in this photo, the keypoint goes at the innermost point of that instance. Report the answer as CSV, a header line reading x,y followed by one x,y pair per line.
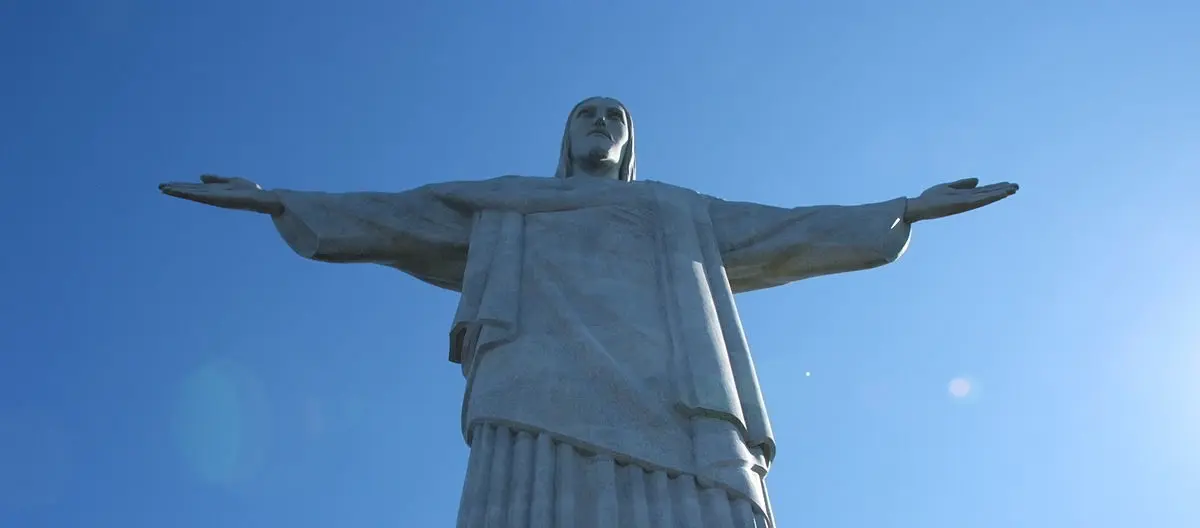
x,y
599,121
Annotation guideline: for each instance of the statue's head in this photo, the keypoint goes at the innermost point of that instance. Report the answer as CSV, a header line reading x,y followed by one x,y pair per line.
x,y
598,141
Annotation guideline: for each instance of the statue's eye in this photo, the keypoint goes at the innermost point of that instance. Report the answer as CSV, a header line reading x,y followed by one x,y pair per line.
x,y
616,114
586,112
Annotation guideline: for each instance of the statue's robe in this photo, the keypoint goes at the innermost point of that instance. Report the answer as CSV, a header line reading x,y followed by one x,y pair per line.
x,y
608,380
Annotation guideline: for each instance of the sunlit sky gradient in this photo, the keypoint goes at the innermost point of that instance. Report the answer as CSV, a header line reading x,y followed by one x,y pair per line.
x,y
168,364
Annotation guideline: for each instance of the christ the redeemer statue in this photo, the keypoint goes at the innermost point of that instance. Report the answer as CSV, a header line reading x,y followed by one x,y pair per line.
x,y
608,380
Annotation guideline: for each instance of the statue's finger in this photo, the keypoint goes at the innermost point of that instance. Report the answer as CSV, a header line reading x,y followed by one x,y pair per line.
x,y
995,187
170,188
213,178
188,191
992,197
176,191
183,186
965,183
169,191
1004,189
244,183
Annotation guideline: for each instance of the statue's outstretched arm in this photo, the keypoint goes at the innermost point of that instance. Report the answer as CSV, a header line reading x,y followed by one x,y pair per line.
x,y
417,231
764,246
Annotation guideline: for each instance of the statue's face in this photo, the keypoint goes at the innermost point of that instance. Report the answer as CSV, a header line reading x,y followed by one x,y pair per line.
x,y
599,131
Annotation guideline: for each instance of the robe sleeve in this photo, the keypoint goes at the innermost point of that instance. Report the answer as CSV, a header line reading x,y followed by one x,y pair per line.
x,y
417,231
763,246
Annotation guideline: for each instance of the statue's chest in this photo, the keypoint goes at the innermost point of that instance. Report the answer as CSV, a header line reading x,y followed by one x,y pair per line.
x,y
618,229
594,276
613,247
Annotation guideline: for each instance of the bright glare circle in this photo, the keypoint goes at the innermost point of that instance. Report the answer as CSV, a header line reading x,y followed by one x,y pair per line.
x,y
960,387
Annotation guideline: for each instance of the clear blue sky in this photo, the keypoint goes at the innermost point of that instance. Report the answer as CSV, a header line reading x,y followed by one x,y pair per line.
x,y
168,364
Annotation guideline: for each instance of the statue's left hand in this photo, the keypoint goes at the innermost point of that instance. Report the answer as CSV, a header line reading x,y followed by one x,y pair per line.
x,y
229,193
954,198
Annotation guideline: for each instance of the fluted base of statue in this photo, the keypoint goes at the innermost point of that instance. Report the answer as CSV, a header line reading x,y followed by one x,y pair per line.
x,y
525,479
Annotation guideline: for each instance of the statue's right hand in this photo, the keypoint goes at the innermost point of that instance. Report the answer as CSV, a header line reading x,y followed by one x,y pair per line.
x,y
230,193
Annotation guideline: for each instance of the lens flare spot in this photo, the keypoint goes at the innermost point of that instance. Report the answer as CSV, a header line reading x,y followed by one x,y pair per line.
x,y
221,423
960,387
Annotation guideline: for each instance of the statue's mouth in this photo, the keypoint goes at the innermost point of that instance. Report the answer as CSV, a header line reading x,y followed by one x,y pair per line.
x,y
600,132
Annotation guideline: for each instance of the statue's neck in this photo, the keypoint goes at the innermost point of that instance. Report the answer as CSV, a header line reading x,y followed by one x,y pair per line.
x,y
604,169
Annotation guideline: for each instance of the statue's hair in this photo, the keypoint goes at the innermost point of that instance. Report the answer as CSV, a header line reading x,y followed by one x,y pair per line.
x,y
628,169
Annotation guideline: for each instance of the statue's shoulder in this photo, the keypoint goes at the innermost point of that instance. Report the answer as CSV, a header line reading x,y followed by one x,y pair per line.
x,y
525,185
669,189
525,180
506,180
658,184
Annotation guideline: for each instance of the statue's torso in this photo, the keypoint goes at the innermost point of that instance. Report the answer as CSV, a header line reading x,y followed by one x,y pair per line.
x,y
591,359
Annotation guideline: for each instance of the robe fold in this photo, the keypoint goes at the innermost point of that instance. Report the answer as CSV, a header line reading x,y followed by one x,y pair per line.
x,y
600,313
